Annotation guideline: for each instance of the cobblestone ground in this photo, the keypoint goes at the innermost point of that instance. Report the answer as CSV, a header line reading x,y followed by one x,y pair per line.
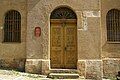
x,y
15,75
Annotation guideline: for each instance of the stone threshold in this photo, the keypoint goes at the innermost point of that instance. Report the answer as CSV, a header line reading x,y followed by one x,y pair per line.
x,y
63,76
63,71
68,74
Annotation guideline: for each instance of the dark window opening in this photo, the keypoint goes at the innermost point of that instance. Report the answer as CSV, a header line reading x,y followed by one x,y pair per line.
x,y
12,26
113,25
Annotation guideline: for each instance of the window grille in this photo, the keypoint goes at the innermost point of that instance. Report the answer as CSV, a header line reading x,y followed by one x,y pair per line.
x,y
12,26
113,25
63,13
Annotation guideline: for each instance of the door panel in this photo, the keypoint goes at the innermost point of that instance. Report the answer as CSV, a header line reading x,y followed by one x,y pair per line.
x,y
63,45
56,45
70,43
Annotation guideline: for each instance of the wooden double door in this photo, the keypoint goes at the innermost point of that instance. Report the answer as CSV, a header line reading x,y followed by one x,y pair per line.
x,y
63,48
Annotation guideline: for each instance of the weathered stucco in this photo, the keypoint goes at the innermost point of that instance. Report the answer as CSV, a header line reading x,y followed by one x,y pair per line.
x,y
94,69
39,15
88,35
10,53
108,49
96,57
111,67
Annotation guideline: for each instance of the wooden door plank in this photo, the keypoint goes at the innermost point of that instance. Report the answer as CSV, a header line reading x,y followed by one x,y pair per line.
x,y
71,45
56,49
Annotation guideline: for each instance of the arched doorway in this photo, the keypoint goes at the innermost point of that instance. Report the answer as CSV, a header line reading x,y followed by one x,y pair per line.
x,y
63,44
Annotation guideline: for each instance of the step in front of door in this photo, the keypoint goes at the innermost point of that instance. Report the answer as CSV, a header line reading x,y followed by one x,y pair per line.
x,y
63,71
63,75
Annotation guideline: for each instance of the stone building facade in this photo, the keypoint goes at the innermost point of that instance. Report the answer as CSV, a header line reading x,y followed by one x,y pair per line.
x,y
96,57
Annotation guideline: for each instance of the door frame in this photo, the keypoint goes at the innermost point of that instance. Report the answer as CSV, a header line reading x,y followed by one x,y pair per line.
x,y
60,21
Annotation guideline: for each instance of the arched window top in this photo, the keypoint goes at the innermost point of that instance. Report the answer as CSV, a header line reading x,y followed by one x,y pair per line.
x,y
112,10
63,13
12,15
113,13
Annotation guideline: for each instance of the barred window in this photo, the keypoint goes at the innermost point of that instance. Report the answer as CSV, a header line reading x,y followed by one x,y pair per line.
x,y
113,25
12,26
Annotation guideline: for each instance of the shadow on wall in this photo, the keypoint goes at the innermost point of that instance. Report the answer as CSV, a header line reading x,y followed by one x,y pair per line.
x,y
13,64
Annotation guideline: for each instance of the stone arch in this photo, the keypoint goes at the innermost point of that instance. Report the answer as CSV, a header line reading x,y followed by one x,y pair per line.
x,y
63,12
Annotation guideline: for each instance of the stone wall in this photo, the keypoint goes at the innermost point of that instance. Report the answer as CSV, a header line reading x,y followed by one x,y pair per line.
x,y
17,64
97,69
96,57
89,36
13,54
90,69
110,51
111,67
88,28
33,66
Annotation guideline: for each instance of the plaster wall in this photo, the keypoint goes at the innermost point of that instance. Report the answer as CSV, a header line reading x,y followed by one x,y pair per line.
x,y
110,51
88,34
13,54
